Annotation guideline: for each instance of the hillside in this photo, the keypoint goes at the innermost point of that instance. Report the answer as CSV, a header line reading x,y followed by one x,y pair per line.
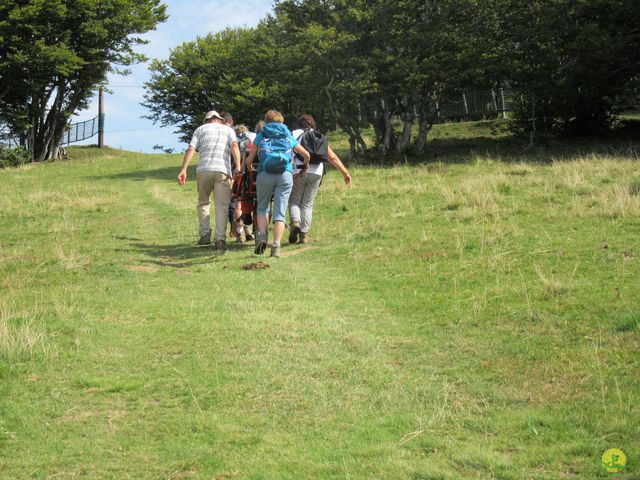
x,y
472,316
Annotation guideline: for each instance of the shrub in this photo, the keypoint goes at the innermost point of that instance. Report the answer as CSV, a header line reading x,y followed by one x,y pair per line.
x,y
13,156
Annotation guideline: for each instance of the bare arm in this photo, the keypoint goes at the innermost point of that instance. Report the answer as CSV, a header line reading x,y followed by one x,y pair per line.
x,y
248,160
335,161
303,151
188,155
235,153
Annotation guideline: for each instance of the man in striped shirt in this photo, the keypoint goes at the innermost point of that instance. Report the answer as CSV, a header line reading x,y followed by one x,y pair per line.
x,y
218,146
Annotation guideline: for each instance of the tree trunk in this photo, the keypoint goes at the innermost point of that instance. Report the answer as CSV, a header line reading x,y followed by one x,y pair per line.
x,y
357,144
352,138
47,128
385,136
532,135
56,138
378,129
388,127
352,146
425,123
49,135
405,139
361,142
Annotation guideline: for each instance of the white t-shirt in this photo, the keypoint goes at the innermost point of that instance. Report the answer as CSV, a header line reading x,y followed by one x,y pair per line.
x,y
316,168
213,141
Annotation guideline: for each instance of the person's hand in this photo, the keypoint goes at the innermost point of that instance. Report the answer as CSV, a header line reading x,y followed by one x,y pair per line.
x,y
182,177
347,178
237,172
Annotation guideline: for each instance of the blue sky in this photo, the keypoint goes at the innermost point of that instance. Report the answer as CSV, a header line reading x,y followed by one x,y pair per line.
x,y
188,19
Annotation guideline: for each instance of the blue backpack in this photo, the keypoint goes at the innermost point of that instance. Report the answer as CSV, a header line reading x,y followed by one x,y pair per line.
x,y
275,153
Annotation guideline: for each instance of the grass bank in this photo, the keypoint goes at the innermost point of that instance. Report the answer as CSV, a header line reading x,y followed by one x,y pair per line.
x,y
474,316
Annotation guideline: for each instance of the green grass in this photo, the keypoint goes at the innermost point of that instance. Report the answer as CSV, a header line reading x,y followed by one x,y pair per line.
x,y
476,316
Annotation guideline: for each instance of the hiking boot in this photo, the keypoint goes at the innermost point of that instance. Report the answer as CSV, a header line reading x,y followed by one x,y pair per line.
x,y
221,245
303,238
247,233
261,243
205,239
275,251
295,231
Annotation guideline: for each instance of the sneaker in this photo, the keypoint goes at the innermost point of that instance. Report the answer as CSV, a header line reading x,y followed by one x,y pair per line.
x,y
221,245
275,251
248,237
239,239
295,231
303,237
260,248
261,243
205,239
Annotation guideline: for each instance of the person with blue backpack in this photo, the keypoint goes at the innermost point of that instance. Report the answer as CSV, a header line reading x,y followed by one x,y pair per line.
x,y
275,147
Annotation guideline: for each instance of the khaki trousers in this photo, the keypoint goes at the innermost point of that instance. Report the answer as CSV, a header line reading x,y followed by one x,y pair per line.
x,y
220,184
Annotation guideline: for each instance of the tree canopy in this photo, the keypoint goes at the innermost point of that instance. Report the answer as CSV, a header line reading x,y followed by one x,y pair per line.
x,y
53,53
352,63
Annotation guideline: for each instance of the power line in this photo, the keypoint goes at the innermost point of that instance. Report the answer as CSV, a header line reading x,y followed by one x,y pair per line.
x,y
132,130
108,87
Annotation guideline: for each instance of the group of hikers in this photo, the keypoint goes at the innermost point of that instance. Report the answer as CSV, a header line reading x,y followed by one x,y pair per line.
x,y
248,171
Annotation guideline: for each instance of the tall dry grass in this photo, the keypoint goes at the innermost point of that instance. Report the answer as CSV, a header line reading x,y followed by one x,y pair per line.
x,y
21,334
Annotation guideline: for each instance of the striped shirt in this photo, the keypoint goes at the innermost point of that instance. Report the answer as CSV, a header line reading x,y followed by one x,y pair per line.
x,y
213,141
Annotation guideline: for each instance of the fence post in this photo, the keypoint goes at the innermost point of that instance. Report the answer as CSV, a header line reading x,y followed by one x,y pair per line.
x,y
101,117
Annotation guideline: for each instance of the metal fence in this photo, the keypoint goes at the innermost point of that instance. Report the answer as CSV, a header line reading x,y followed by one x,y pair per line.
x,y
465,105
75,132
474,104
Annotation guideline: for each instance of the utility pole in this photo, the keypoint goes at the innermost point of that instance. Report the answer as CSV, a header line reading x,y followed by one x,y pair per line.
x,y
101,117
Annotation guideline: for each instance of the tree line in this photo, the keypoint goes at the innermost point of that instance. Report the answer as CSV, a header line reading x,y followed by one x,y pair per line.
x,y
571,65
53,55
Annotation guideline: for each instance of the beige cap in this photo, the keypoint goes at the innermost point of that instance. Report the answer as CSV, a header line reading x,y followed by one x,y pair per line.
x,y
212,114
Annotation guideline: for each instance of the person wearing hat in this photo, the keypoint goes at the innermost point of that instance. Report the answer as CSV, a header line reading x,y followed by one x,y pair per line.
x,y
217,144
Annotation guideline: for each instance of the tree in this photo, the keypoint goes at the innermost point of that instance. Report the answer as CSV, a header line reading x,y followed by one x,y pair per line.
x,y
350,63
569,60
54,53
228,70
383,59
358,63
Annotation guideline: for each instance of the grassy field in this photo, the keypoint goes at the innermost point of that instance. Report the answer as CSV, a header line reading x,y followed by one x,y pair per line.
x,y
473,316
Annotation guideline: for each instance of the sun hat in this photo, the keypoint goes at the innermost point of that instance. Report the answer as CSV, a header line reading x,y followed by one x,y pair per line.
x,y
212,114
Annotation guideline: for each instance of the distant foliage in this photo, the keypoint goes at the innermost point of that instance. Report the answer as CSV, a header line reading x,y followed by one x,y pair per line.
x,y
574,63
356,64
54,53
13,156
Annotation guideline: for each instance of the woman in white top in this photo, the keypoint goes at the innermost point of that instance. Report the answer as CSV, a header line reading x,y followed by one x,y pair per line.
x,y
306,184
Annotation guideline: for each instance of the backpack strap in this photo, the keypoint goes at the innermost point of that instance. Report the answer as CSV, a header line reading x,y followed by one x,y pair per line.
x,y
295,154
